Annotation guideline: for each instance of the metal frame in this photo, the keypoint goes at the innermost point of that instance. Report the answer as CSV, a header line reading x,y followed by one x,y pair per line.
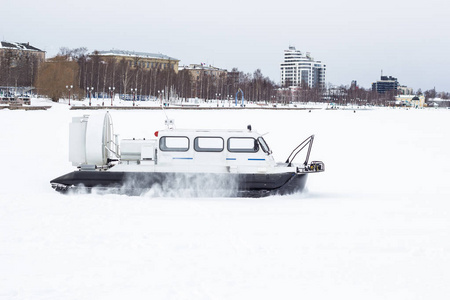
x,y
309,141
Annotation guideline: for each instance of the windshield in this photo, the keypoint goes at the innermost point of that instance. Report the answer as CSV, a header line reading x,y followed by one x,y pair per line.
x,y
264,145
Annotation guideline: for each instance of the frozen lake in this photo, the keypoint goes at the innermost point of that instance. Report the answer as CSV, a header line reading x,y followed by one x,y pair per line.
x,y
374,225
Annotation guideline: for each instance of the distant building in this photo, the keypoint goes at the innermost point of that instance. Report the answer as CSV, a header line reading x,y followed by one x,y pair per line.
x,y
410,100
201,71
19,63
299,69
404,90
20,50
197,70
385,84
436,102
144,60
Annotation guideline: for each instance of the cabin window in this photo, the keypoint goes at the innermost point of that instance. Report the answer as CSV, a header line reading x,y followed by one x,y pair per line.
x,y
174,143
242,145
208,144
264,145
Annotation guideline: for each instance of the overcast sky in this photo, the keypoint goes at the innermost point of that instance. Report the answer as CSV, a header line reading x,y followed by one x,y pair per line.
x,y
356,39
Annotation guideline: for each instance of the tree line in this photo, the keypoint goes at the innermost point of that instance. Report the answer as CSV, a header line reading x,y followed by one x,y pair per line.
x,y
91,72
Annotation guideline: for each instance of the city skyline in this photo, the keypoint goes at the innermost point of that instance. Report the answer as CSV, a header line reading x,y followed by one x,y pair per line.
x,y
356,41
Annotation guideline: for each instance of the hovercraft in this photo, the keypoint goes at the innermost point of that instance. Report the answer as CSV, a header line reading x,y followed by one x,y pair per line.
x,y
223,163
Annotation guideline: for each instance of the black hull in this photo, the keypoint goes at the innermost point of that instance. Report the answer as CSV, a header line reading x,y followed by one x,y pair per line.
x,y
182,184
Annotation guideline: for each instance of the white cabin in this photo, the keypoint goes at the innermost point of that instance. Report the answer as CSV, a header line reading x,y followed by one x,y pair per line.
x,y
171,150
211,151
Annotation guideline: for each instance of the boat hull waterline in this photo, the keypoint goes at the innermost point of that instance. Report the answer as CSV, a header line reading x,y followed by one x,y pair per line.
x,y
181,184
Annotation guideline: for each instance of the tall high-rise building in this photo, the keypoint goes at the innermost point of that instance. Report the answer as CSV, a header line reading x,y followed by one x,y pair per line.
x,y
385,84
301,69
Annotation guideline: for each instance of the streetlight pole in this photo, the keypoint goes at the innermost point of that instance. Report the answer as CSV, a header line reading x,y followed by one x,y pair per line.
x,y
111,92
89,90
69,87
133,91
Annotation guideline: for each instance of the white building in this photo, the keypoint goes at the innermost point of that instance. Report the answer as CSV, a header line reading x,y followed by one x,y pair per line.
x,y
410,100
299,68
404,90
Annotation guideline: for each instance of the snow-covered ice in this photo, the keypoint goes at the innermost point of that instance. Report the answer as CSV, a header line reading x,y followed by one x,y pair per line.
x,y
374,225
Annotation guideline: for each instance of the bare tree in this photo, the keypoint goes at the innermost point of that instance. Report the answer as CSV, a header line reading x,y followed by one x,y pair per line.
x,y
54,75
124,73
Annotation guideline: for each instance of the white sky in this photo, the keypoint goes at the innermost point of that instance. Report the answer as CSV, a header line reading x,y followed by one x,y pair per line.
x,y
406,39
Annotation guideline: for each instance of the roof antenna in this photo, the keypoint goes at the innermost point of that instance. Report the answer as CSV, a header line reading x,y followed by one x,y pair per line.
x,y
170,123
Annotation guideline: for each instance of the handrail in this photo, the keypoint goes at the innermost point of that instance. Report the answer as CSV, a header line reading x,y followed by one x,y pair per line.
x,y
111,143
112,151
309,141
